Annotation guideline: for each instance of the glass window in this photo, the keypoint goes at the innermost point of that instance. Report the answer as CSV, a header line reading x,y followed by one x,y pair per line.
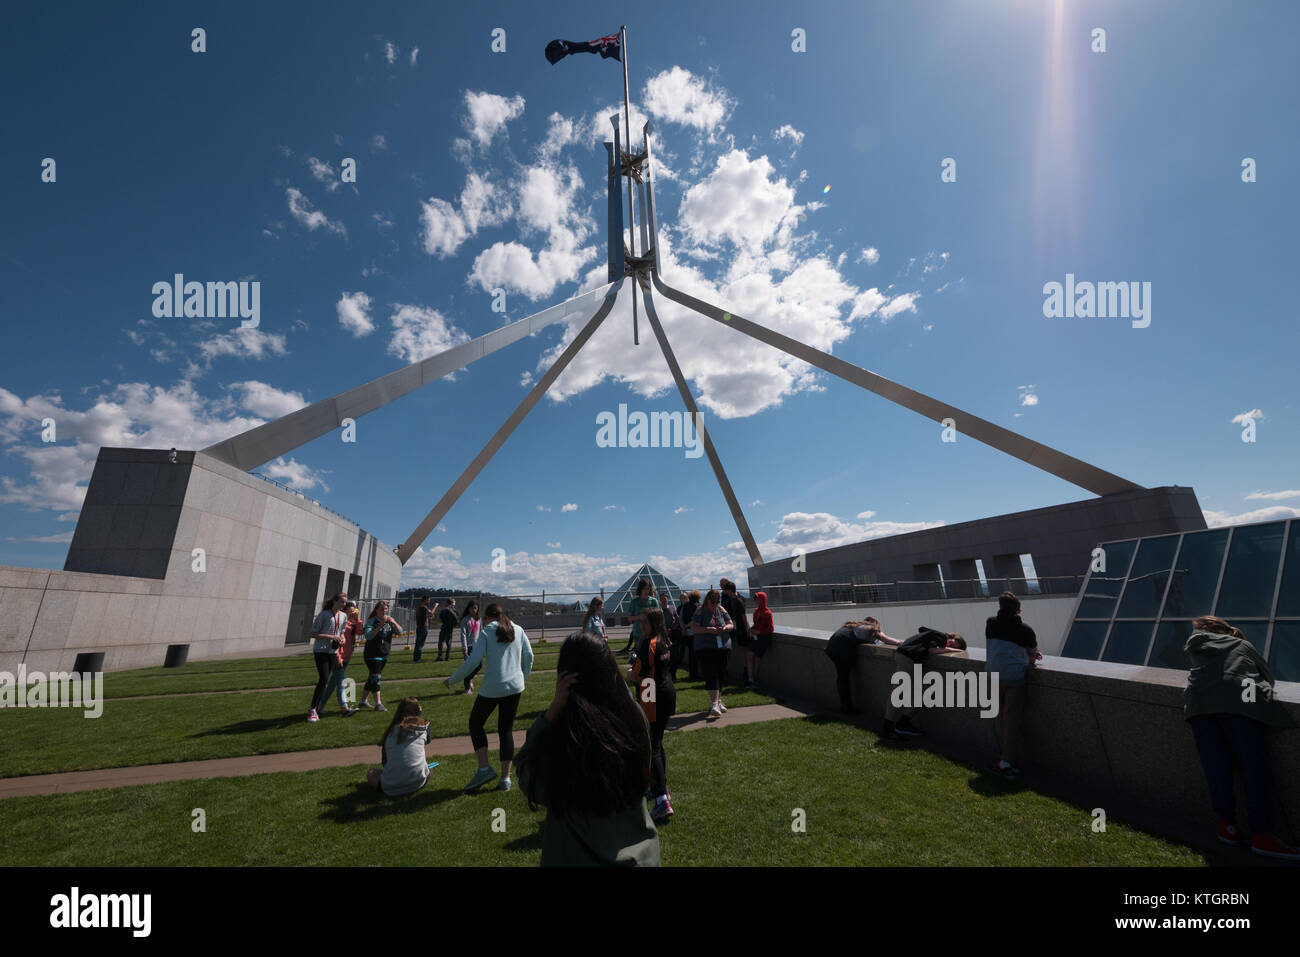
x,y
1104,586
1128,642
1085,640
1196,573
1284,656
1251,572
1146,582
1167,652
1288,599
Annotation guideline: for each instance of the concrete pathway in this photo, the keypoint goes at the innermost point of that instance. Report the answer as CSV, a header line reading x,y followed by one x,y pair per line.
x,y
70,781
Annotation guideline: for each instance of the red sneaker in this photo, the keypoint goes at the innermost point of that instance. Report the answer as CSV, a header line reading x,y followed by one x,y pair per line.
x,y
1267,845
1230,834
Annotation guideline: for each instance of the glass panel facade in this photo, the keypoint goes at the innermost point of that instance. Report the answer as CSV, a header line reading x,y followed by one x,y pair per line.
x,y
1085,639
1141,612
1145,589
1128,642
1284,656
1251,575
1196,572
1102,591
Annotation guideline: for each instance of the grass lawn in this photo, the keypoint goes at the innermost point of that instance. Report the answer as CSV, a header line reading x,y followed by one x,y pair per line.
x,y
734,790
182,728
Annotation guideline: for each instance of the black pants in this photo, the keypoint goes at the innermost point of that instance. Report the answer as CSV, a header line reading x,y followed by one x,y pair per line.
x,y
665,707
843,674
711,662
478,716
326,662
375,674
421,636
444,644
471,676
1225,739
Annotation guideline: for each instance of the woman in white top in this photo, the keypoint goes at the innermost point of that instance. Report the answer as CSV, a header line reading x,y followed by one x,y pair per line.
x,y
327,634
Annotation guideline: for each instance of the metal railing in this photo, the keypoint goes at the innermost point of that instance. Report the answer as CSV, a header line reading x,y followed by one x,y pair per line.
x,y
294,491
883,593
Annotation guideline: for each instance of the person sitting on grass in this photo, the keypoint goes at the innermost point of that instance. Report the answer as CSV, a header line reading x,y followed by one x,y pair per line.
x,y
587,760
911,652
406,769
380,631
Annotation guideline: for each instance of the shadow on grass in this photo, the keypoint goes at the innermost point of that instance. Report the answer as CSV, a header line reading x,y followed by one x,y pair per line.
x,y
529,842
992,784
364,803
252,726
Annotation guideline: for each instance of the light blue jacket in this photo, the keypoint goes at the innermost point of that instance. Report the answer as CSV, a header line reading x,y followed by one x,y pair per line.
x,y
505,663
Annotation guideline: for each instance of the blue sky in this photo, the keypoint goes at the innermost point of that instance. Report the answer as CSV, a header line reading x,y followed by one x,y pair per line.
x,y
479,170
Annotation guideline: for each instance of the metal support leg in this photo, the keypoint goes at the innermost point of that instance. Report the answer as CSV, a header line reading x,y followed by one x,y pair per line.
x,y
407,548
1095,480
718,471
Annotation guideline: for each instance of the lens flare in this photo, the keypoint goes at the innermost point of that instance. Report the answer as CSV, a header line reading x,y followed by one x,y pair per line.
x,y
827,189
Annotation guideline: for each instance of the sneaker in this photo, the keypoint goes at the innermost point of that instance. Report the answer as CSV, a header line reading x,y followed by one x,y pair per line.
x,y
481,777
380,707
349,712
668,805
1266,845
312,715
1230,834
722,708
661,810
504,785
906,728
1007,770
713,711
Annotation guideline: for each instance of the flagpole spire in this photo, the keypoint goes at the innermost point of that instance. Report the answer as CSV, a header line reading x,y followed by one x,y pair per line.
x,y
627,145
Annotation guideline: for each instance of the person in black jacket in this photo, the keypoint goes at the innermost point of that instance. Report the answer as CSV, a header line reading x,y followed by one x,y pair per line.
x,y
1011,648
842,649
734,605
914,651
684,651
447,622
422,616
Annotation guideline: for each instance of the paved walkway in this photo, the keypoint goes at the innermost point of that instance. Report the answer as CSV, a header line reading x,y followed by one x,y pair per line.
x,y
70,781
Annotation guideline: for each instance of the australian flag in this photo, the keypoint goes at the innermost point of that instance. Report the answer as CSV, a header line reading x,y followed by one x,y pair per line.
x,y
608,46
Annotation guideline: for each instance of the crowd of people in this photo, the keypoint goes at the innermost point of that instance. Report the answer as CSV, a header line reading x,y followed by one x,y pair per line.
x,y
596,756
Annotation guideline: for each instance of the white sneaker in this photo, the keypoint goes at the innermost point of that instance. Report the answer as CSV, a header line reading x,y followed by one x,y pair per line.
x,y
715,711
722,708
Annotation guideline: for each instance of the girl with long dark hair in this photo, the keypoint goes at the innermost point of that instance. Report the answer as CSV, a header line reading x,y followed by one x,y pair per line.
x,y
507,659
587,759
380,631
652,676
405,768
469,628
327,636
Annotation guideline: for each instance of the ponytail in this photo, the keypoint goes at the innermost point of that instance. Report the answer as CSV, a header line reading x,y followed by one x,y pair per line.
x,y
1218,626
505,630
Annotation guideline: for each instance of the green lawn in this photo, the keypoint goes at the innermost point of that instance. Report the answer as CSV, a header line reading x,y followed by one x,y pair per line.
x,y
183,728
734,790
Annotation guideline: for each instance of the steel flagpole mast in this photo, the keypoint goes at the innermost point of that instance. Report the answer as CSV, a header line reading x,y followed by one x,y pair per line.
x,y
627,145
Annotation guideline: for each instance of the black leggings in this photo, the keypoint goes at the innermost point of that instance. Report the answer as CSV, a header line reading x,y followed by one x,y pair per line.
x,y
711,662
326,662
471,676
843,672
665,706
375,669
478,716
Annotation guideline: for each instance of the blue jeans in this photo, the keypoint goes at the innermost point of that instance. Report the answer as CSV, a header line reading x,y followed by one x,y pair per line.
x,y
335,683
1221,738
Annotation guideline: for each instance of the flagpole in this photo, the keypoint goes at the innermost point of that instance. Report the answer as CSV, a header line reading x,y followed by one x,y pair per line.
x,y
627,141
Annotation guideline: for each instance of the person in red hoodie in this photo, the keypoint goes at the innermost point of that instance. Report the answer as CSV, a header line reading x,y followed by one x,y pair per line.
x,y
353,630
763,628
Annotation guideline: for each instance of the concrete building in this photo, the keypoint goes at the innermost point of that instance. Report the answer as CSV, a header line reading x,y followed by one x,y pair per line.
x,y
180,551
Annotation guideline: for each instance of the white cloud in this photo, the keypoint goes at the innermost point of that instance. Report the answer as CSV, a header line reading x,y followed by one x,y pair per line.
x,y
245,343
414,53
757,501
740,201
682,508
526,378
679,96
1270,514
302,210
379,142
1275,496
294,474
571,507
552,544
486,114
444,228
390,51
419,333
610,508
441,228
870,256
354,313
905,302
1247,416
323,172
266,400
1027,395
788,132
542,508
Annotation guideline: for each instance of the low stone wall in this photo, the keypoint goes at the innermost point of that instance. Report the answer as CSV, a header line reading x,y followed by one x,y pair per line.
x,y
1103,735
